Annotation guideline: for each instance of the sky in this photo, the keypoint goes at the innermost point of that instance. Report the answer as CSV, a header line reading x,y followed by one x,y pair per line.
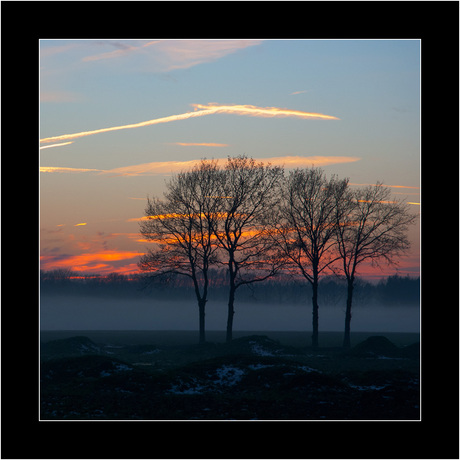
x,y
119,117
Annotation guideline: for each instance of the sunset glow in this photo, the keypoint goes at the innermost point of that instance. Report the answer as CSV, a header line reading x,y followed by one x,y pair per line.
x,y
89,262
290,103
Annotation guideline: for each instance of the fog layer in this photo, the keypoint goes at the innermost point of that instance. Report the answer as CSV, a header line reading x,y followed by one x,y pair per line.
x,y
96,313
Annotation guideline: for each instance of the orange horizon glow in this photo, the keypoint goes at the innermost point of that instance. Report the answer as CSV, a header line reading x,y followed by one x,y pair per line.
x,y
88,262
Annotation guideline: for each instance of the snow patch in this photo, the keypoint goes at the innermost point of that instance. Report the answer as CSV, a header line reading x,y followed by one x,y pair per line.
x,y
229,375
191,388
118,368
259,350
368,387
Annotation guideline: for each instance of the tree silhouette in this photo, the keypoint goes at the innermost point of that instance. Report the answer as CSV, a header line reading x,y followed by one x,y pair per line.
x,y
182,226
370,226
248,192
305,224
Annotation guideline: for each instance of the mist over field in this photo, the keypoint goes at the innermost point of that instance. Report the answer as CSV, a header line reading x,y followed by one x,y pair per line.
x,y
67,312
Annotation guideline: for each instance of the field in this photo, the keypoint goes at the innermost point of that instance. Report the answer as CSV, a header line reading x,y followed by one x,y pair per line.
x,y
166,375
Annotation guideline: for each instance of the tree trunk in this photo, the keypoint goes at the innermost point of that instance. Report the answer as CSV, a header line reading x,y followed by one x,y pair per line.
x,y
231,312
314,337
346,337
201,307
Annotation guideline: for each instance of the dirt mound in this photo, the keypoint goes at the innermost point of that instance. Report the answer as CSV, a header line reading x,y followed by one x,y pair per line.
x,y
411,351
376,345
73,346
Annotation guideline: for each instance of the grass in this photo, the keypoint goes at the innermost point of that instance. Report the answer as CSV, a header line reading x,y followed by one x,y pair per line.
x,y
254,377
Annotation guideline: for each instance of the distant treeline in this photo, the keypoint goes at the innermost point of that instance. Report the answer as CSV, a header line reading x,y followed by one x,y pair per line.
x,y
393,290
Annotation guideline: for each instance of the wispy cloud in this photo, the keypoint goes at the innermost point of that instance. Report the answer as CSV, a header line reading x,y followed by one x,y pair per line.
x,y
298,92
123,49
183,54
202,110
168,55
153,168
170,167
291,162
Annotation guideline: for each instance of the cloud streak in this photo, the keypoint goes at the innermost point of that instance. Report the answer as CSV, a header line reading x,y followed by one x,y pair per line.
x,y
170,167
58,169
200,111
392,186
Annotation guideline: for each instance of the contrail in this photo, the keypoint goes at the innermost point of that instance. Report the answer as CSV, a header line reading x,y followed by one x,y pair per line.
x,y
252,110
209,109
55,145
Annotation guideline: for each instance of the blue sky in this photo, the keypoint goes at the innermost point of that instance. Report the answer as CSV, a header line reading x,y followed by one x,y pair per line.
x,y
370,89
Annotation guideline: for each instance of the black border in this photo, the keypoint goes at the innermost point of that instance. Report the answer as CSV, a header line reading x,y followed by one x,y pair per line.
x,y
436,24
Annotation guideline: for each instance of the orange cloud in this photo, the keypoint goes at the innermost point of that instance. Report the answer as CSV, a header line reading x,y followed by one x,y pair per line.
x,y
383,201
88,261
58,169
247,110
392,186
291,162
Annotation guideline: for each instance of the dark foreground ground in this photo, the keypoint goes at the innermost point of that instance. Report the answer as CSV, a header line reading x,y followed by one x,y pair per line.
x,y
167,376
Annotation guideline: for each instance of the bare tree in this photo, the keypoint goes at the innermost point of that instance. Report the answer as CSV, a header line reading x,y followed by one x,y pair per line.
x,y
370,227
182,225
248,193
305,227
